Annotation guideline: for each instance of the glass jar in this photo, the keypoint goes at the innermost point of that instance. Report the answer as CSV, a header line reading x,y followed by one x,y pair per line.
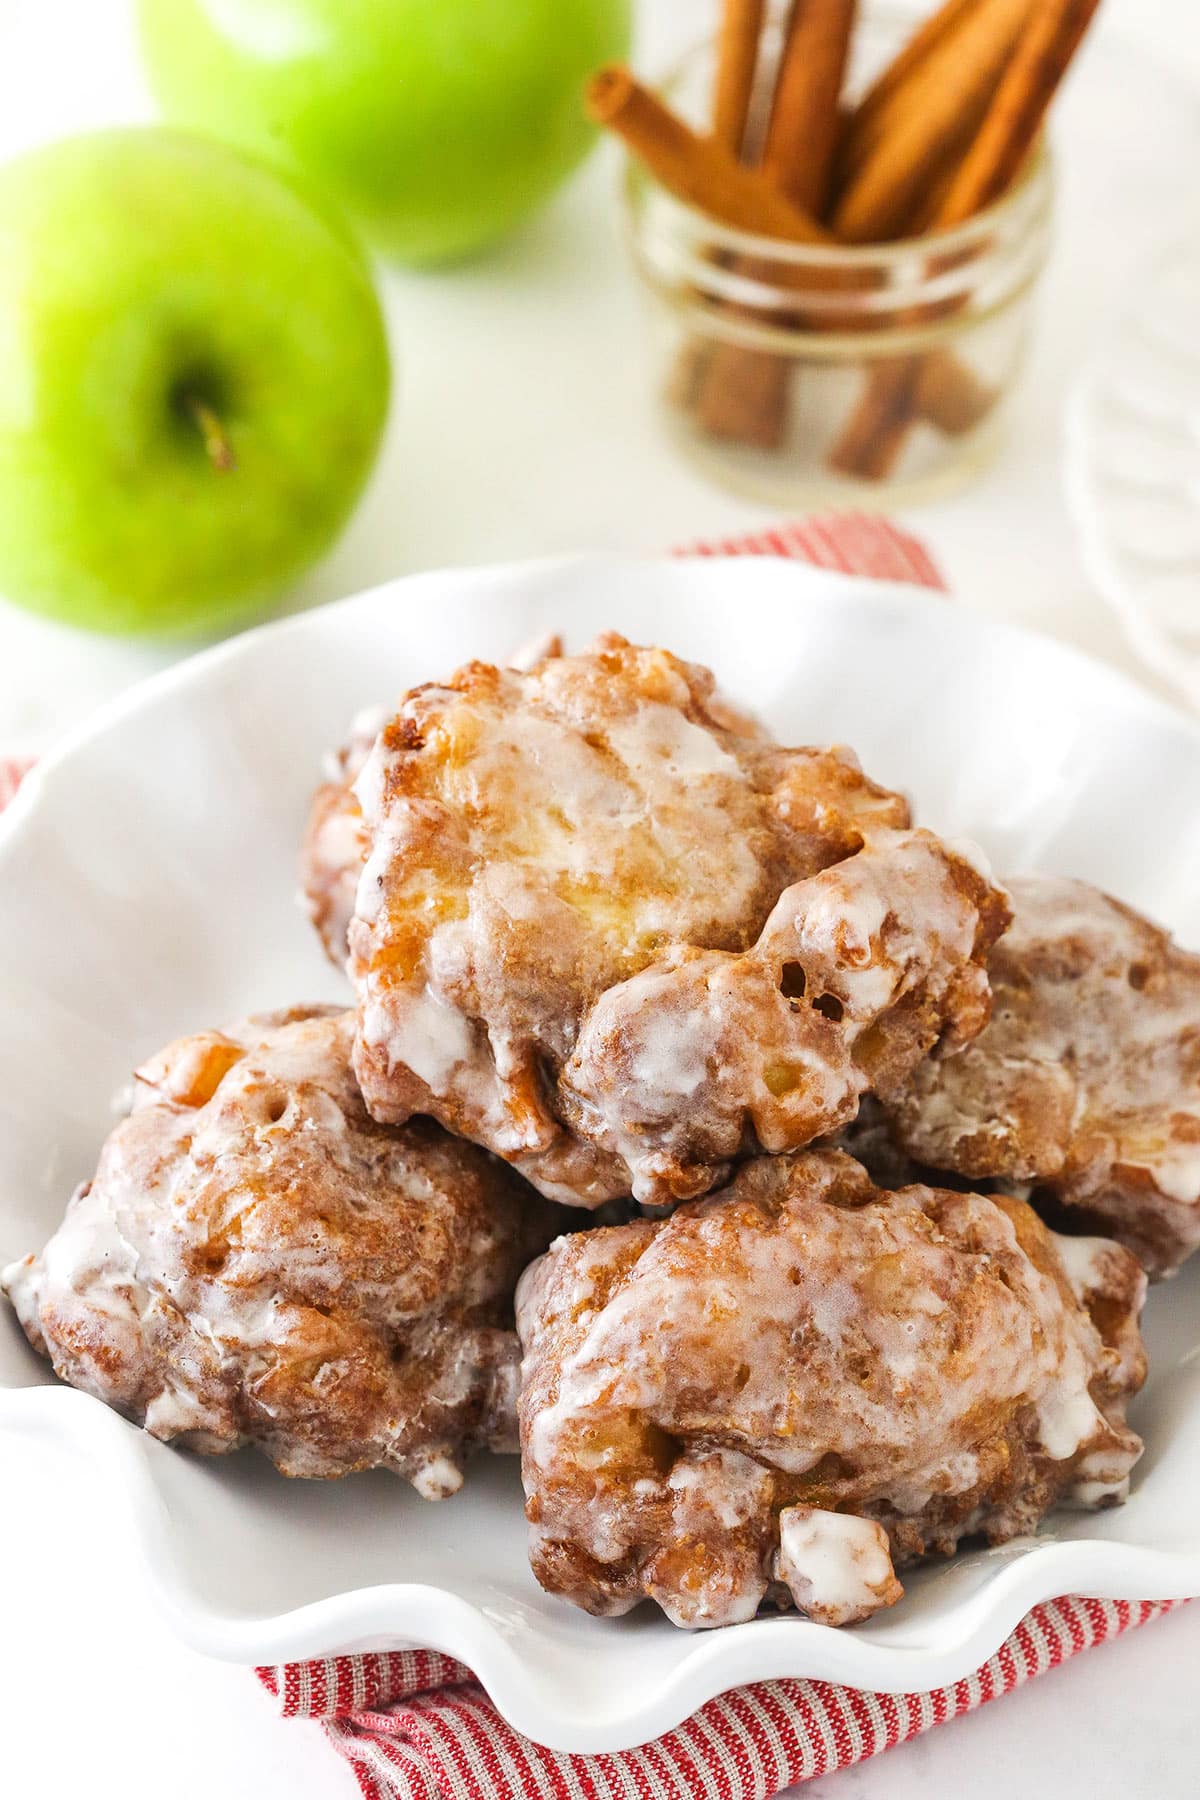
x,y
793,372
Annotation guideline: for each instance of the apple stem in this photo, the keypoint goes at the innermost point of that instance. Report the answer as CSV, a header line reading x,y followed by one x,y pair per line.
x,y
209,425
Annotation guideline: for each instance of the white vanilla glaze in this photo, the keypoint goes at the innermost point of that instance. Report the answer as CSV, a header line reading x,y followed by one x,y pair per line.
x,y
437,1477
671,1056
968,851
1069,1418
369,782
1085,1260
1088,1495
429,1037
87,1251
660,740
837,1567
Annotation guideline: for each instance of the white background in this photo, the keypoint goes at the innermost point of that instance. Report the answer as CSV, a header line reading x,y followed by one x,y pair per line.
x,y
517,431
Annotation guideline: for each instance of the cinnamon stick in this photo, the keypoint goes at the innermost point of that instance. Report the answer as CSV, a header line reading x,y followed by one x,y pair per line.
x,y
862,127
950,396
697,170
802,130
737,60
876,431
743,392
1043,56
942,103
743,395
737,52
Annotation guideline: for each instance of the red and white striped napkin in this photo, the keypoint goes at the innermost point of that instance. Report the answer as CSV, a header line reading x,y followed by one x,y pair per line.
x,y
416,1725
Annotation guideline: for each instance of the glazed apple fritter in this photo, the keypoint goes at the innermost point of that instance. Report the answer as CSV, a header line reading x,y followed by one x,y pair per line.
x,y
257,1261
790,1389
1086,1083
545,846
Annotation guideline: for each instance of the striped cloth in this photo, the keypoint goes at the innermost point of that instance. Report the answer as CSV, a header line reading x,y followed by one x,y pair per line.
x,y
851,543
416,1725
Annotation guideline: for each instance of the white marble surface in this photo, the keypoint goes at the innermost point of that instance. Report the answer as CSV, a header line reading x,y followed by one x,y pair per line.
x,y
512,435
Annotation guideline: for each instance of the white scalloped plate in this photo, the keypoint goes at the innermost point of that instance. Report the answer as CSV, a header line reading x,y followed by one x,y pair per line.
x,y
146,877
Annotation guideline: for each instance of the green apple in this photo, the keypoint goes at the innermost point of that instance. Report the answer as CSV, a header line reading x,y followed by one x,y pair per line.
x,y
437,123
193,380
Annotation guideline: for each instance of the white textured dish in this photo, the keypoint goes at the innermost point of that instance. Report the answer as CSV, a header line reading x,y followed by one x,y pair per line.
x,y
146,877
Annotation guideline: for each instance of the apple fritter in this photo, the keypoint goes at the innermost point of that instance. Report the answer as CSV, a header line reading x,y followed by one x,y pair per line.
x,y
790,1389
257,1261
1086,1082
537,839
